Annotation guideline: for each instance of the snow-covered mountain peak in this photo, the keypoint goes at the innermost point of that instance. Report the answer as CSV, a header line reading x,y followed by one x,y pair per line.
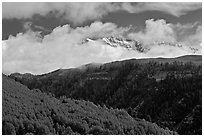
x,y
134,45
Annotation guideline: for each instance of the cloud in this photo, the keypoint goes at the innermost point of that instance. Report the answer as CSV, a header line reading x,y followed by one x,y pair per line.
x,y
78,13
29,52
27,26
173,8
189,35
154,31
24,9
63,48
42,28
195,40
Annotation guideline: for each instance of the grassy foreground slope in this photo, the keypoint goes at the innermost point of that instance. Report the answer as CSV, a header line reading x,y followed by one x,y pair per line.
x,y
33,112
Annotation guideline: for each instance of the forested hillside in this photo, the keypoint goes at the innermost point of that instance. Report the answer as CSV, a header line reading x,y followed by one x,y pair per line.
x,y
164,91
33,112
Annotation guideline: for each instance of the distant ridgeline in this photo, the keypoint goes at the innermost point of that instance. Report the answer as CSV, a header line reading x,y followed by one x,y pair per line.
x,y
34,112
167,92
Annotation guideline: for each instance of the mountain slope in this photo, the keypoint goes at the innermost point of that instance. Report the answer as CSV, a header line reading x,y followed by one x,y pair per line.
x,y
33,112
195,59
164,91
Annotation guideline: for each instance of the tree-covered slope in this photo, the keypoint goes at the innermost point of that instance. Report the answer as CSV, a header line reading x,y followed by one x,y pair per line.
x,y
164,91
27,111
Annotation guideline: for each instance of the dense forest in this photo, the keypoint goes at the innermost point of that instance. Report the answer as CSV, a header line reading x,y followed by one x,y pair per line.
x,y
167,92
34,112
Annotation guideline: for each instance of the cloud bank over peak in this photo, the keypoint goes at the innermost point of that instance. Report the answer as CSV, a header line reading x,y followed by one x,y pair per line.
x,y
78,13
63,48
160,30
29,52
157,30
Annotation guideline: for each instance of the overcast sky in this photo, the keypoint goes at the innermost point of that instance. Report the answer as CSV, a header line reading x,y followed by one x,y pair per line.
x,y
42,37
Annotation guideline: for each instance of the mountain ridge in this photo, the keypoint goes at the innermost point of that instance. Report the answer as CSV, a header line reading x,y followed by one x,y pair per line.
x,y
196,59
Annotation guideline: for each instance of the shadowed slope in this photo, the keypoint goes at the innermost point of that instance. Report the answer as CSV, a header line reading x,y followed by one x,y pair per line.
x,y
33,112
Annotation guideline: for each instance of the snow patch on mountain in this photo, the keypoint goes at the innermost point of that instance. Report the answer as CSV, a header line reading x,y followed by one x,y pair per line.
x,y
133,45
